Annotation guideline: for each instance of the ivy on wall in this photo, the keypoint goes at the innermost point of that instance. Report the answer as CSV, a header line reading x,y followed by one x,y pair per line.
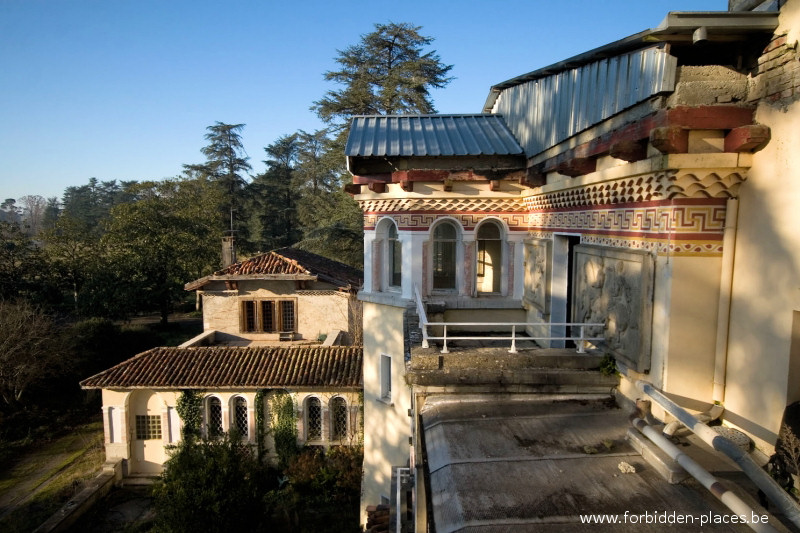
x,y
190,409
261,427
284,426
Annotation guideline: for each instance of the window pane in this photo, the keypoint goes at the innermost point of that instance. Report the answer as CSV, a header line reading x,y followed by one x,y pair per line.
x,y
148,427
249,311
240,416
488,230
214,417
396,262
445,230
338,419
287,315
268,316
314,419
444,265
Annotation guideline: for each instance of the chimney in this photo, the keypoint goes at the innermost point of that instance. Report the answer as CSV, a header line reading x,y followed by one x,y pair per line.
x,y
228,251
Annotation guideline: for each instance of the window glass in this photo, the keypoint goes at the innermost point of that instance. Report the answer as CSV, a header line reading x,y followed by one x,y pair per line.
x,y
313,419
395,258
240,415
214,417
148,427
386,377
489,269
268,316
287,315
444,256
249,311
338,418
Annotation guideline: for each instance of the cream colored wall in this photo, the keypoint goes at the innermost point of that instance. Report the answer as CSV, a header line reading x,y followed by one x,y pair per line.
x,y
766,278
317,313
387,425
688,370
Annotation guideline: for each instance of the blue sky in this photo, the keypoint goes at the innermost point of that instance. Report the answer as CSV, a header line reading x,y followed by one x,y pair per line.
x,y
118,89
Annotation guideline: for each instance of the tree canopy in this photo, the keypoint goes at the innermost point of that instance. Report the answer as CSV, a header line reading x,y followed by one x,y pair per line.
x,y
386,73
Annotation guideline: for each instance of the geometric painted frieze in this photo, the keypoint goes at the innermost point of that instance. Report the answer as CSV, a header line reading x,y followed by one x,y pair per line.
x,y
418,214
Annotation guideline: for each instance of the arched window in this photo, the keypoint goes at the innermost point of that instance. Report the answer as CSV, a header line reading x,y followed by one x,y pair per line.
x,y
445,237
395,257
240,416
338,418
489,270
313,419
214,417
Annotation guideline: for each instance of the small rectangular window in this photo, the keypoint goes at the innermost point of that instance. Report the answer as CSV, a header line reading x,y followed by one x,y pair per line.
x,y
386,377
287,315
148,427
268,316
249,316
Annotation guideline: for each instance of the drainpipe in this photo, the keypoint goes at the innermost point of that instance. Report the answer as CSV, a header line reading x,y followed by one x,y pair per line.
x,y
727,497
724,308
787,506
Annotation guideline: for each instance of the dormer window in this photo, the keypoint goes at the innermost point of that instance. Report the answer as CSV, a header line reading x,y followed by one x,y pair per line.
x,y
268,316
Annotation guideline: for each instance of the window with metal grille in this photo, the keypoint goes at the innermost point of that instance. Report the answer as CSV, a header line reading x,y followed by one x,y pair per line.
x,y
338,419
268,316
313,419
214,417
287,315
148,427
249,316
240,415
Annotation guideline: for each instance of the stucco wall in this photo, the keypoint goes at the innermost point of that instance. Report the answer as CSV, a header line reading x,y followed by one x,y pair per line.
x,y
319,310
387,425
766,280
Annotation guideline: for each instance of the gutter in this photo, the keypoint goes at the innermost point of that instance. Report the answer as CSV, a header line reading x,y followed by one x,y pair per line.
x,y
774,492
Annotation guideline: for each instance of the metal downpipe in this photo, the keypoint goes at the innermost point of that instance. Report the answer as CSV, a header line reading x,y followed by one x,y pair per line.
x,y
769,486
731,500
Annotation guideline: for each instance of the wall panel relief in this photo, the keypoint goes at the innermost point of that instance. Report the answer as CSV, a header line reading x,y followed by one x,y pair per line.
x,y
538,269
615,287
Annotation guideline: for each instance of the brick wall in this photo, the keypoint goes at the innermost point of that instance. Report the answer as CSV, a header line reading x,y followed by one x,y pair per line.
x,y
778,78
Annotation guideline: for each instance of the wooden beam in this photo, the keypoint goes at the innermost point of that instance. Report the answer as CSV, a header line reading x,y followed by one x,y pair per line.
x,y
670,140
750,138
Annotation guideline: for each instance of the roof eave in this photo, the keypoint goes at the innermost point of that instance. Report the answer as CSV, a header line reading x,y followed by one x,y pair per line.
x,y
677,25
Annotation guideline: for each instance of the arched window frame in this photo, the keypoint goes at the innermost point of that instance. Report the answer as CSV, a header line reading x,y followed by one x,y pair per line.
x,y
479,261
214,421
439,249
240,416
339,412
313,420
389,261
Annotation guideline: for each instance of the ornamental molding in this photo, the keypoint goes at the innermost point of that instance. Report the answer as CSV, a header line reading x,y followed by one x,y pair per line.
x,y
637,189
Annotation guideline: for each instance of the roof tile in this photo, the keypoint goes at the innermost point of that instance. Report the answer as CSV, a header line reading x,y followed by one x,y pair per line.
x,y
229,367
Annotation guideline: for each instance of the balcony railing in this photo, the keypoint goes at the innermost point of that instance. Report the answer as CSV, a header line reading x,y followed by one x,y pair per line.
x,y
518,331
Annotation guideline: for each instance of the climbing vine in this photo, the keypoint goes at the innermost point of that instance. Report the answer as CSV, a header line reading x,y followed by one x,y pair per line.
x,y
261,428
284,426
190,409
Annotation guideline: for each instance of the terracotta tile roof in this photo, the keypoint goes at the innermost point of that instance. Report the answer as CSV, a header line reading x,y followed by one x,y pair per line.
x,y
288,262
226,367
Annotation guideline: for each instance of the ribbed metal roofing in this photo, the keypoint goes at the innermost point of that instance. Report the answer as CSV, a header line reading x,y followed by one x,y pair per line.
x,y
430,135
222,367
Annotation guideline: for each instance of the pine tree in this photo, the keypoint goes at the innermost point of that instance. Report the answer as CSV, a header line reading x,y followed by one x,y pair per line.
x,y
385,73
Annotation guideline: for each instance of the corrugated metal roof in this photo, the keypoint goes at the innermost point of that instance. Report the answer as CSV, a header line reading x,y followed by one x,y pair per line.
x,y
235,367
544,111
430,135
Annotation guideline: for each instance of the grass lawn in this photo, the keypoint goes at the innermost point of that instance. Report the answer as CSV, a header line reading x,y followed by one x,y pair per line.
x,y
47,475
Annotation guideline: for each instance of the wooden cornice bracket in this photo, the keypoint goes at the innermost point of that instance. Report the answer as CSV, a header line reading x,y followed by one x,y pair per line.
x,y
670,140
447,185
377,187
352,189
494,185
750,138
578,166
629,151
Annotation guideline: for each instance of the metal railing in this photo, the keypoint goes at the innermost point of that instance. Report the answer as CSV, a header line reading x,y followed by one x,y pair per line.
x,y
580,340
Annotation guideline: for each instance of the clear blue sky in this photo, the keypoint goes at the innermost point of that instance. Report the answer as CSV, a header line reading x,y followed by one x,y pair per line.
x,y
119,89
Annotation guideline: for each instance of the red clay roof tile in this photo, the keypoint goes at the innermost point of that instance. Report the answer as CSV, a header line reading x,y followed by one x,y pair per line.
x,y
236,367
